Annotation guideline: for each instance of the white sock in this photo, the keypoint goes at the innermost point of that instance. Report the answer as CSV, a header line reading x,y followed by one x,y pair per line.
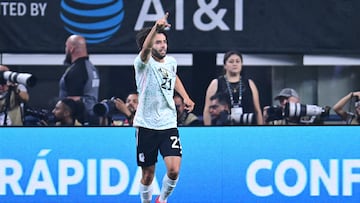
x,y
168,186
145,193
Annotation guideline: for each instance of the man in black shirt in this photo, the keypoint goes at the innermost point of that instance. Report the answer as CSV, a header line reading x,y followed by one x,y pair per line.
x,y
81,80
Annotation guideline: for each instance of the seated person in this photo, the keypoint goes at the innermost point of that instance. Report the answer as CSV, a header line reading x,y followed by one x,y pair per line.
x,y
127,109
291,112
219,110
275,116
68,112
183,117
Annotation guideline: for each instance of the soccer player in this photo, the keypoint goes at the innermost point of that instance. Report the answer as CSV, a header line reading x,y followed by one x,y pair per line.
x,y
155,118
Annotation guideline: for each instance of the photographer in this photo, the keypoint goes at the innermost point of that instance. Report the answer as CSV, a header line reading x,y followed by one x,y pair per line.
x,y
107,108
221,114
240,91
219,110
12,98
272,115
184,118
68,112
353,99
291,112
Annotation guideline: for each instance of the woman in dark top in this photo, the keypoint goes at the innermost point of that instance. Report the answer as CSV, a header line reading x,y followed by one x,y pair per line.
x,y
242,93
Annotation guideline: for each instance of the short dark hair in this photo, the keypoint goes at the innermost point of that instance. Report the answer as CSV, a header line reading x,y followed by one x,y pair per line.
x,y
141,36
143,33
76,108
133,92
221,97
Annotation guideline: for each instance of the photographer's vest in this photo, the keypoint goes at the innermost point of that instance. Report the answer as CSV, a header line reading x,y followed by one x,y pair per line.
x,y
355,121
187,119
14,111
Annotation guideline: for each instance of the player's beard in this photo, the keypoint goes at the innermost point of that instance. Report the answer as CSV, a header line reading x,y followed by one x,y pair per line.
x,y
68,59
157,54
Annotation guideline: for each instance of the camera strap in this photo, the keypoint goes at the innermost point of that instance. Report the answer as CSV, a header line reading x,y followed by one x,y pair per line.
x,y
7,104
231,93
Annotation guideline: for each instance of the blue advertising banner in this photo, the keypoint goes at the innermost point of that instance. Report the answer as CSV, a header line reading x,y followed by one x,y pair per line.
x,y
256,26
220,164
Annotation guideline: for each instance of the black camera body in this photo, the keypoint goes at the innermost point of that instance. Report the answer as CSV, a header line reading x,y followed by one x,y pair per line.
x,y
20,78
106,107
274,113
35,116
356,101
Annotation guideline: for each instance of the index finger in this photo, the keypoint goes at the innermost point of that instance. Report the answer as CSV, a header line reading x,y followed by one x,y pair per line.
x,y
166,16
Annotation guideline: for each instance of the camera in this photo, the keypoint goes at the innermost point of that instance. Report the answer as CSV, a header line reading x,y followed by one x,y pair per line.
x,y
243,119
274,113
34,116
227,119
356,101
106,107
21,78
296,110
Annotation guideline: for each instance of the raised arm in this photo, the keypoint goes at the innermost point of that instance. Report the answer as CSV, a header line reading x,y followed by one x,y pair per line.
x,y
211,90
160,24
339,106
179,87
257,108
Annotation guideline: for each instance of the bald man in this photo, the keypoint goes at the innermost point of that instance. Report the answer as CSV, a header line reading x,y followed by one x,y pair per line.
x,y
81,80
11,97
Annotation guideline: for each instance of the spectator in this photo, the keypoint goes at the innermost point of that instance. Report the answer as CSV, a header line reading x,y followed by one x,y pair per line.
x,y
80,81
242,93
13,96
348,116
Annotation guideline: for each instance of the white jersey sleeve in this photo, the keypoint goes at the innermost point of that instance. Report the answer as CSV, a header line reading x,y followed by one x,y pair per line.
x,y
155,83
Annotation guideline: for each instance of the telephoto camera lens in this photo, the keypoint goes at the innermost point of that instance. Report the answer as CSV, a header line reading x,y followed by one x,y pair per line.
x,y
21,78
298,110
244,119
105,107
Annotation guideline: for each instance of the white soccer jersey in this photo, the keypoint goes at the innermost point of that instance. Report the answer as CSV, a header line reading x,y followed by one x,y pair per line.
x,y
155,83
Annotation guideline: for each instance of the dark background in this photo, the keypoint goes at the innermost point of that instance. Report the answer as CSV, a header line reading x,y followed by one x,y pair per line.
x,y
274,27
118,81
281,26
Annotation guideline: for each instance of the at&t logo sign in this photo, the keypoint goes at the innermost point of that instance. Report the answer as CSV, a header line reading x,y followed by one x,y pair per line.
x,y
97,21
